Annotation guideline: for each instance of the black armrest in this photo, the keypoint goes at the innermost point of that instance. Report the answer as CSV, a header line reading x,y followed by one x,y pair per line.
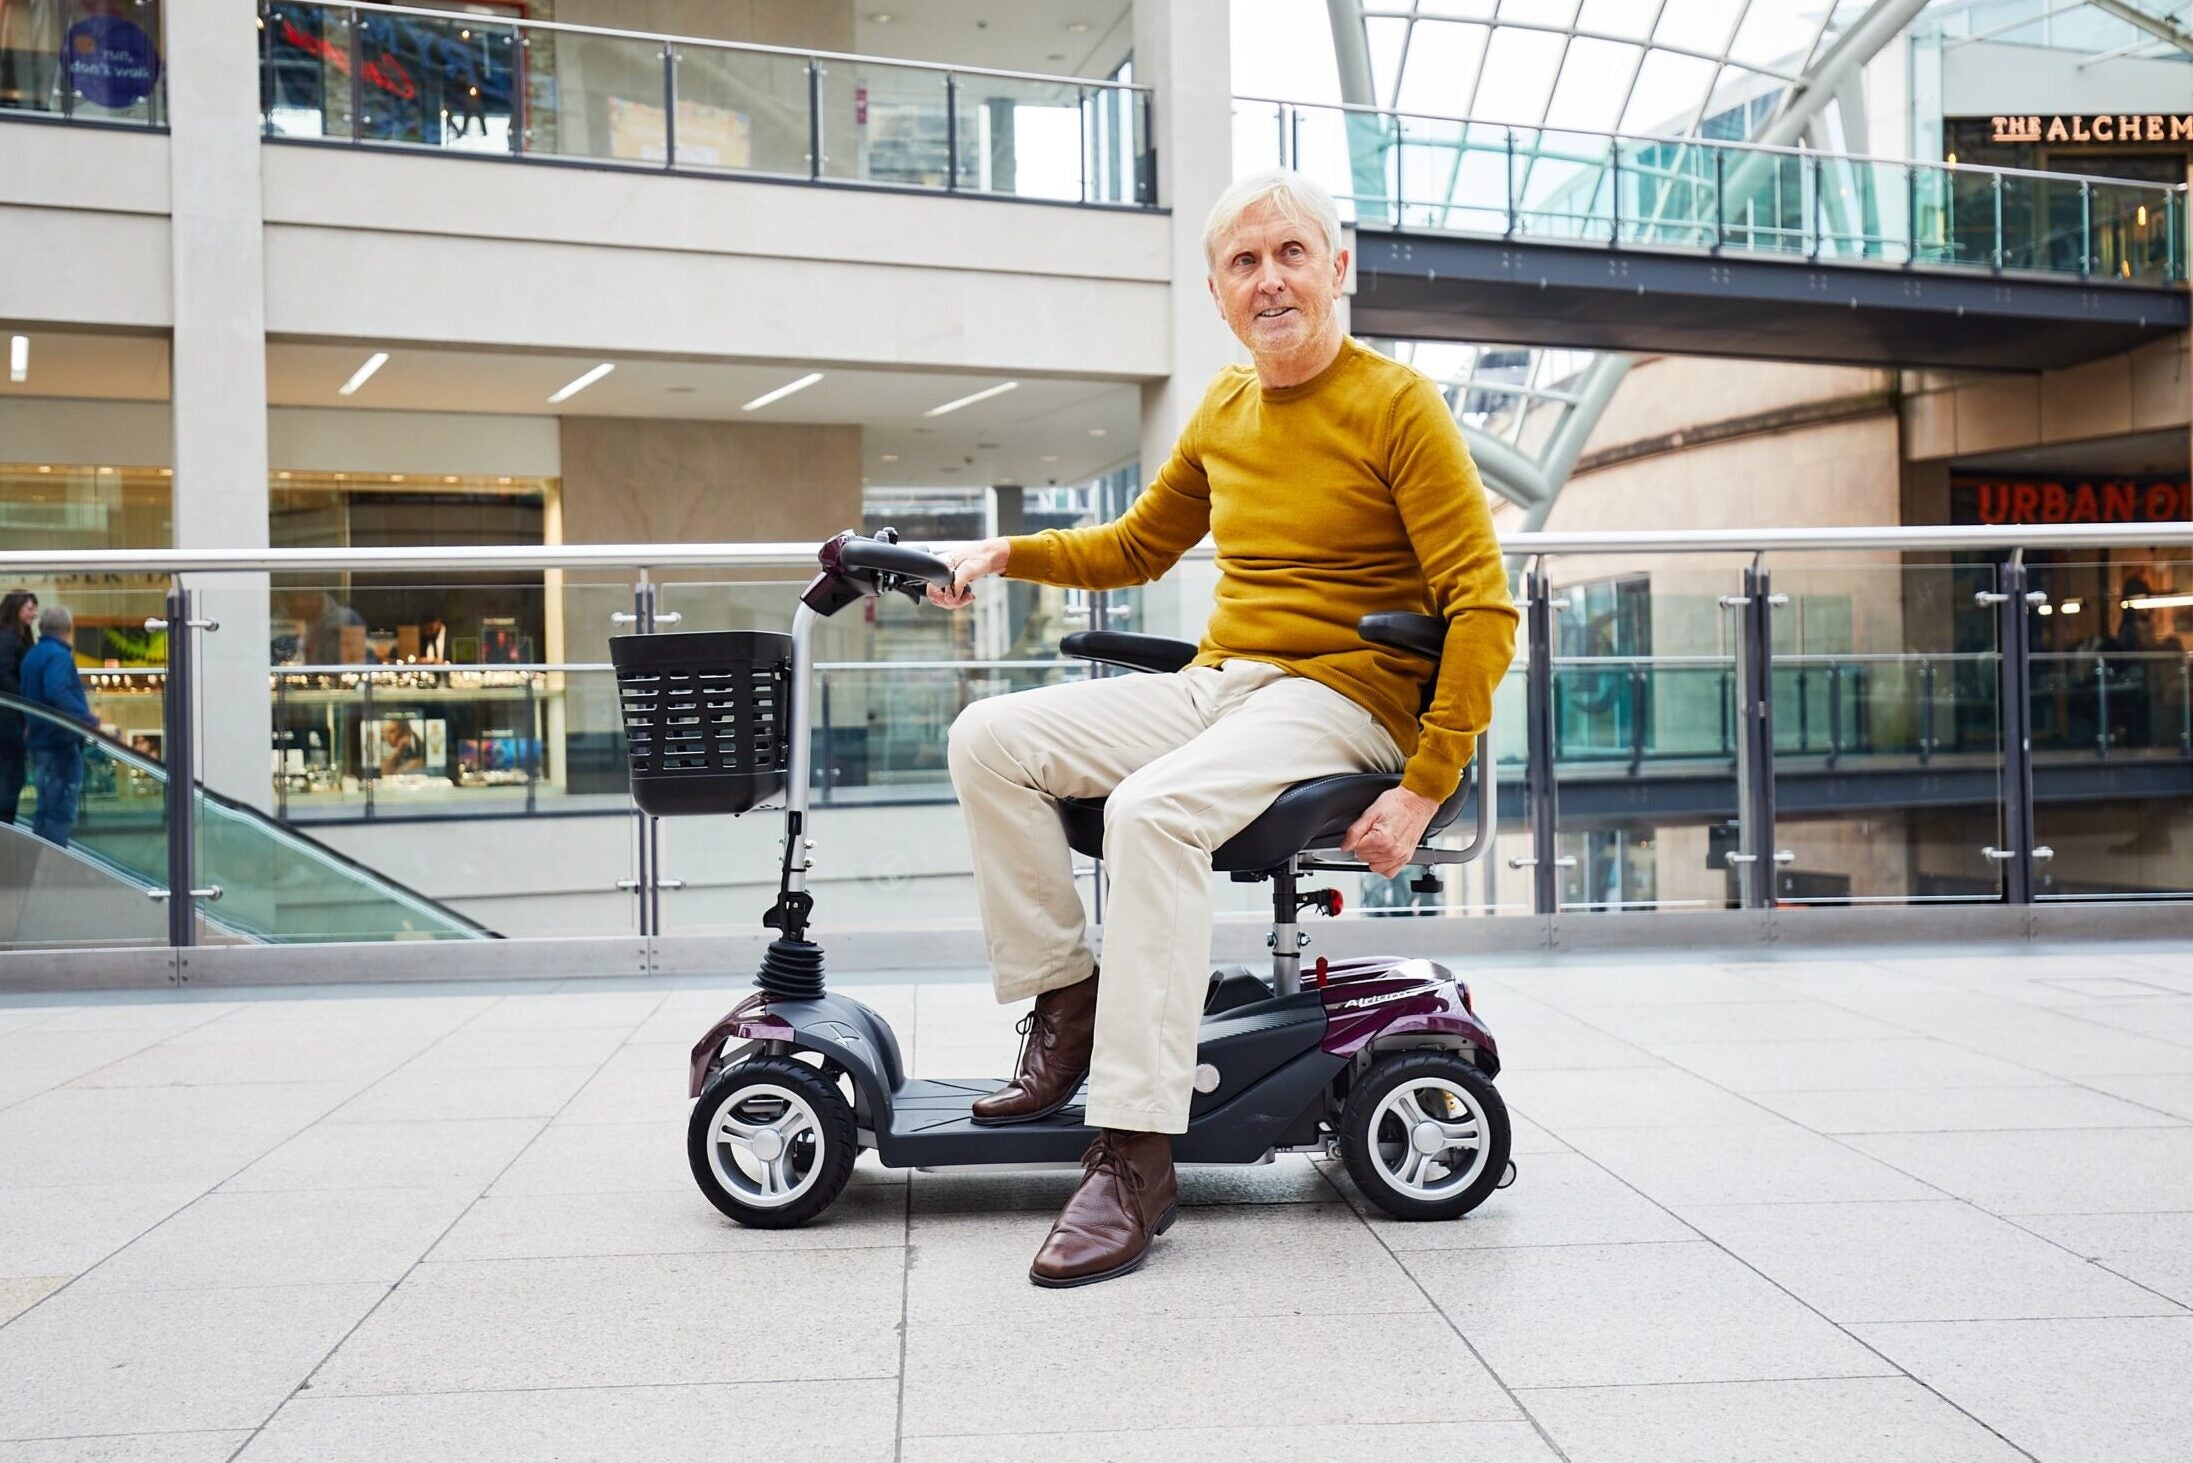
x,y
1153,653
1424,635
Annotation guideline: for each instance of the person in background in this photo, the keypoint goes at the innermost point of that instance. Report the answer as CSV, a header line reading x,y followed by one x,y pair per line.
x,y
51,680
18,613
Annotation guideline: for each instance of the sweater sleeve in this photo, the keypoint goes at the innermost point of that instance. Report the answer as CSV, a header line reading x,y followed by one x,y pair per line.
x,y
1443,509
1170,517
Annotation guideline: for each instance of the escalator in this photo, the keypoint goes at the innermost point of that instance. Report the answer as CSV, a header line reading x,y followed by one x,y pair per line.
x,y
277,885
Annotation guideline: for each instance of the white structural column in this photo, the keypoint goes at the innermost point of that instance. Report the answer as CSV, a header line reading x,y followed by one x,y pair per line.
x,y
1183,49
219,372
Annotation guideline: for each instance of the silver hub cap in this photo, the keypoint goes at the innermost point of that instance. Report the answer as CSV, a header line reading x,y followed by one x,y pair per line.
x,y
1427,1139
765,1145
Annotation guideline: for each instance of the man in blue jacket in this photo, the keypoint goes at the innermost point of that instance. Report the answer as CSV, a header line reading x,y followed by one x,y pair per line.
x,y
51,680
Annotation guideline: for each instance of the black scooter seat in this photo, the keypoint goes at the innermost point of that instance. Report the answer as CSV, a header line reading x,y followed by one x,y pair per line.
x,y
1313,814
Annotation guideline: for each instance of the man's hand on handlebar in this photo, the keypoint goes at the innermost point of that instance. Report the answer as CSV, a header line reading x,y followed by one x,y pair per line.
x,y
1387,834
969,563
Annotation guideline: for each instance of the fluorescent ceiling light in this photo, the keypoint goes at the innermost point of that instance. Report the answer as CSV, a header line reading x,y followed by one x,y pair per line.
x,y
19,358
782,391
938,411
574,388
365,372
2158,601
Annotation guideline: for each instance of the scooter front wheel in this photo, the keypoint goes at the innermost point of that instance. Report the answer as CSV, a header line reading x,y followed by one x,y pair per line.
x,y
1425,1135
771,1142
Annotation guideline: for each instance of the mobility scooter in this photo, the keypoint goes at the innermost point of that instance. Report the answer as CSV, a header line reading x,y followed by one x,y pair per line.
x,y
1381,1062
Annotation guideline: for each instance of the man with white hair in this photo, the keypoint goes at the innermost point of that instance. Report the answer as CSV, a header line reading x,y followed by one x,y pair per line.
x,y
1334,483
51,680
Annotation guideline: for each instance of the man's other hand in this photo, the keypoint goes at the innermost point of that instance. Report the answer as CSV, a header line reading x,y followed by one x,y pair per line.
x,y
970,562
1387,834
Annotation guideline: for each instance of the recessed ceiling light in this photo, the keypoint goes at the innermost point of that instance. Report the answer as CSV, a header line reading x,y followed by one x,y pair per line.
x,y
782,391
45,469
579,385
1096,431
1055,56
395,477
880,17
890,457
283,476
679,390
504,481
364,373
449,480
19,358
167,472
985,395
1077,26
1050,457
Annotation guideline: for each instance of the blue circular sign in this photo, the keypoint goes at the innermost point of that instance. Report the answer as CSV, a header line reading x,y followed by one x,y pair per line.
x,y
111,62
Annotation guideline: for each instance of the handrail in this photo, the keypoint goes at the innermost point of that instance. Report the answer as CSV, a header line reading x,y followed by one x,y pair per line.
x,y
712,43
1915,538
1731,145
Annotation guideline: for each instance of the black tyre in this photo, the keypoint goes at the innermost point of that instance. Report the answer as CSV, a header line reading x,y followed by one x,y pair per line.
x,y
771,1142
1425,1135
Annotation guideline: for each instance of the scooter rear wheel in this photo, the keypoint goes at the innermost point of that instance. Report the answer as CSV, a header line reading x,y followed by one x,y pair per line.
x,y
771,1142
1425,1135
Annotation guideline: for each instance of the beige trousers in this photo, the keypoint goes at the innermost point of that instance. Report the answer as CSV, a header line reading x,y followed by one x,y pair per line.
x,y
1185,762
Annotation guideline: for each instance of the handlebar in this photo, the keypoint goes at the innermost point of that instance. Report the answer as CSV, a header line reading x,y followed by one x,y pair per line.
x,y
880,556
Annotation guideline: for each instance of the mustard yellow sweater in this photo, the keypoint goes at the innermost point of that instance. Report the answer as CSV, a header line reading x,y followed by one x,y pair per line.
x,y
1348,494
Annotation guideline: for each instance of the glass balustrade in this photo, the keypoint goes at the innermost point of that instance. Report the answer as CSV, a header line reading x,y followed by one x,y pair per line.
x,y
472,83
1408,171
277,884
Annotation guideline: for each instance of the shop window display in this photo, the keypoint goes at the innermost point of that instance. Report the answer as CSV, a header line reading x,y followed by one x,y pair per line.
x,y
85,60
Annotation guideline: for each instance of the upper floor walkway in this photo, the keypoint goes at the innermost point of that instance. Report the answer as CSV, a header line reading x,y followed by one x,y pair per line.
x,y
663,164
1477,230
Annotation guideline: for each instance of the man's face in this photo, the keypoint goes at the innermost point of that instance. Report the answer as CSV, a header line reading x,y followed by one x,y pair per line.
x,y
1276,282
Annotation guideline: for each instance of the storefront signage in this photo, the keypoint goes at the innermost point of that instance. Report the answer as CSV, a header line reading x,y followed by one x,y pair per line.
x,y
426,79
111,62
2117,127
2017,500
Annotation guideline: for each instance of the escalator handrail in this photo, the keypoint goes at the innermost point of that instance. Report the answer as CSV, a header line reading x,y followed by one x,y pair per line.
x,y
275,828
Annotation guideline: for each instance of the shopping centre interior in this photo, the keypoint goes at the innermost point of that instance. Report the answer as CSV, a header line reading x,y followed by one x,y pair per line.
x,y
371,369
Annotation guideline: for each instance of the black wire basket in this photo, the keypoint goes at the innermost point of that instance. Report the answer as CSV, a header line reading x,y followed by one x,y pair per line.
x,y
707,718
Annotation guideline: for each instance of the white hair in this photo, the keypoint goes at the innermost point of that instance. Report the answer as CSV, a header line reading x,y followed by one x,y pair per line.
x,y
1292,196
54,621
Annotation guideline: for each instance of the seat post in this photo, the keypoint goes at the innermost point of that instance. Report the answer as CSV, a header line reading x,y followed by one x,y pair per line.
x,y
1286,942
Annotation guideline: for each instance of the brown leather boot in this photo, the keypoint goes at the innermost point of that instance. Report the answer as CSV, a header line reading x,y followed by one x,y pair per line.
x,y
1128,1195
1054,1057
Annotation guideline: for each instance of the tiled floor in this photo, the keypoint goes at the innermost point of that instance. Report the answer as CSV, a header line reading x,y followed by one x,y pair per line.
x,y
1908,1206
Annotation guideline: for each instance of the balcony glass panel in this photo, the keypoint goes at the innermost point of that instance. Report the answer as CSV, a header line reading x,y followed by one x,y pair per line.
x,y
1887,734
742,110
1644,686
1025,138
2113,728
884,124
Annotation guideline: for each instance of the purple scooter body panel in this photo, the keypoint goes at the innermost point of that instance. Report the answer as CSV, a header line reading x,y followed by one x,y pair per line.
x,y
1377,997
749,1020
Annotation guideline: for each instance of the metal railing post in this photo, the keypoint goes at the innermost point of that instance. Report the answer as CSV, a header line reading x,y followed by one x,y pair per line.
x,y
1507,197
1081,123
669,107
1279,120
1720,202
814,120
1294,136
356,28
951,133
179,752
1911,215
1835,712
1926,711
1998,254
2101,707
1819,186
1538,773
2086,229
2014,683
1614,192
1755,857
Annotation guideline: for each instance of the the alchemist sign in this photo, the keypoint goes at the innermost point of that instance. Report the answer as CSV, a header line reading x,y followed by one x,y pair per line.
x,y
2113,127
